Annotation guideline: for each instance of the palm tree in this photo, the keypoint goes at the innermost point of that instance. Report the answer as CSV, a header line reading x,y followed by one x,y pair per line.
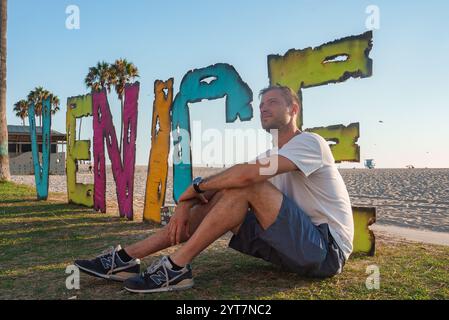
x,y
21,109
37,97
99,77
105,75
54,105
122,73
4,159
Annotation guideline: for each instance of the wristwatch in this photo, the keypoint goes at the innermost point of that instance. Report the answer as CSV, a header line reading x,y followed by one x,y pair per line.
x,y
196,184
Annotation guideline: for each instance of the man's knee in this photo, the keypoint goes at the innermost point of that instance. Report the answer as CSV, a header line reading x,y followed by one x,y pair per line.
x,y
255,188
262,187
245,193
257,191
232,193
227,192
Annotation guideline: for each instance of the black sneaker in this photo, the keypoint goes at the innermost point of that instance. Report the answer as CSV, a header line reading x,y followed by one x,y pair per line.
x,y
109,266
160,277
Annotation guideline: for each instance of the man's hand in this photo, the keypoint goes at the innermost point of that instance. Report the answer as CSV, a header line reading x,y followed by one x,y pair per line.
x,y
190,194
179,222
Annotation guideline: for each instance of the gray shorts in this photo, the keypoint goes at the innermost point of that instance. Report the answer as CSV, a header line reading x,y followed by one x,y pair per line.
x,y
292,242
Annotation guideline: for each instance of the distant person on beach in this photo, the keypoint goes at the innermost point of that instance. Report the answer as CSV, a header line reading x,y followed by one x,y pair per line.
x,y
298,216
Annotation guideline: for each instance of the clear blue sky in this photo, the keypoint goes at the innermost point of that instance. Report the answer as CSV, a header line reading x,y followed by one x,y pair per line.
x,y
409,90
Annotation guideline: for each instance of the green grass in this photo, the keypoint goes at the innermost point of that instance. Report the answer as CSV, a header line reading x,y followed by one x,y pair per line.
x,y
38,240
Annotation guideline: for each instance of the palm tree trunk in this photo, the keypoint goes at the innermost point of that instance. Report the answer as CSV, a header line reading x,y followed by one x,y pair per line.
x,y
4,159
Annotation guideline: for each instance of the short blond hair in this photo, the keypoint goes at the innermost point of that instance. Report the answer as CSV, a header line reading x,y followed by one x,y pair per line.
x,y
288,94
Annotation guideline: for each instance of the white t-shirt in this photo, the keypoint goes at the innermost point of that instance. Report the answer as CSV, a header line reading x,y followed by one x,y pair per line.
x,y
318,188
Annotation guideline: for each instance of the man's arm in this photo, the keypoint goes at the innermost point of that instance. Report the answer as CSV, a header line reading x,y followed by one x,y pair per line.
x,y
205,197
243,175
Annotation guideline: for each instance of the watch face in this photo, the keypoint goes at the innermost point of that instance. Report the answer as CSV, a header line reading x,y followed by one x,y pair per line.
x,y
196,183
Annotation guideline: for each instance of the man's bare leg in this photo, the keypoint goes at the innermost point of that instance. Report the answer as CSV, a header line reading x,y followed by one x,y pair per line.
x,y
228,214
161,240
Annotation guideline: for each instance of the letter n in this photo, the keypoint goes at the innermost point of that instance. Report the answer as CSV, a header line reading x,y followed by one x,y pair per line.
x,y
122,169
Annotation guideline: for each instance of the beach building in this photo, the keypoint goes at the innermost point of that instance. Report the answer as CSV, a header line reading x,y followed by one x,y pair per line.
x,y
19,149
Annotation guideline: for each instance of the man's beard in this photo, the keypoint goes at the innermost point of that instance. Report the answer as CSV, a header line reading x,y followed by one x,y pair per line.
x,y
271,125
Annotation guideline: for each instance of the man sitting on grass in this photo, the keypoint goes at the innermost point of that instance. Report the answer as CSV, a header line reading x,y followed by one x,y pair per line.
x,y
298,216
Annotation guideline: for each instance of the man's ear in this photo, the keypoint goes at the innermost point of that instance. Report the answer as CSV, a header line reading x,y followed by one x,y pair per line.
x,y
295,108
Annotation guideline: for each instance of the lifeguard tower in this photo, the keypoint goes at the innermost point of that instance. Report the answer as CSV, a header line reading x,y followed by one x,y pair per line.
x,y
370,163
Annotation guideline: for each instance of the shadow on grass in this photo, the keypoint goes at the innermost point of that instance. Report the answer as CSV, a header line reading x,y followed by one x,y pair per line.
x,y
38,240
35,206
15,201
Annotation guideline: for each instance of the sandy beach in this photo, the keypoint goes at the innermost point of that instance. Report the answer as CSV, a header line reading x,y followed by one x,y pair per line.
x,y
405,198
